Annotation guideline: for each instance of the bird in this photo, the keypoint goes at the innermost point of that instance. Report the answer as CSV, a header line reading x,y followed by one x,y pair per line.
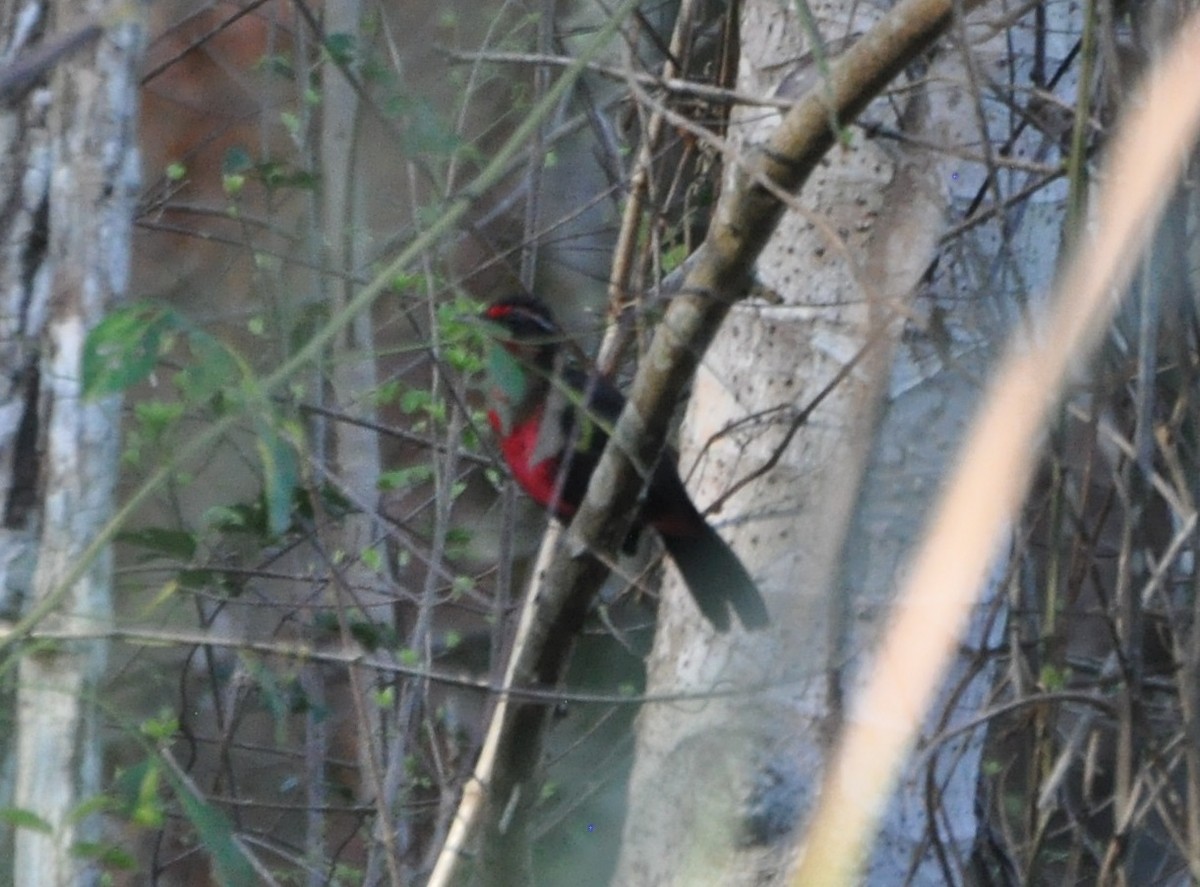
x,y
552,419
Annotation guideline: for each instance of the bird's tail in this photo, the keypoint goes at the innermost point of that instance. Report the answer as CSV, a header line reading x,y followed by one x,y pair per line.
x,y
715,577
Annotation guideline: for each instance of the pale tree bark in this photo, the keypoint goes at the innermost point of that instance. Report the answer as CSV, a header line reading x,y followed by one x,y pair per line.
x,y
720,788
352,379
71,171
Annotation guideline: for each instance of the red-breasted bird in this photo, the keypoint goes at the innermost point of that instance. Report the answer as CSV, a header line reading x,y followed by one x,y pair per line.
x,y
551,419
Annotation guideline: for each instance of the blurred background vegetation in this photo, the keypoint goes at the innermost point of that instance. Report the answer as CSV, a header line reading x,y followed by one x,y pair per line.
x,y
313,602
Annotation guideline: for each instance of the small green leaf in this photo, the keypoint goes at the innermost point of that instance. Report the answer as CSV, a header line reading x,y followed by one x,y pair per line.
x,y
197,579
90,807
147,809
372,560
291,122
1053,678
123,349
216,833
280,476
108,855
168,590
409,657
368,634
236,161
387,392
673,257
402,478
172,543
211,369
162,728
277,175
406,282
340,48
156,417
415,399
507,373
21,818
278,64
224,517
176,171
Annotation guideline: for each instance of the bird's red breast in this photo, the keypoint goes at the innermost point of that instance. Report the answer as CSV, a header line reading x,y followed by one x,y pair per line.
x,y
538,479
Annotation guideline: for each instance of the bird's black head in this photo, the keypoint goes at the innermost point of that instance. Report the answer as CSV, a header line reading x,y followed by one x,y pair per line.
x,y
525,327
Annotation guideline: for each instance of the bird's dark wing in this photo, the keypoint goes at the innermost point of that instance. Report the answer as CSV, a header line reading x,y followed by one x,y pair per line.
x,y
593,406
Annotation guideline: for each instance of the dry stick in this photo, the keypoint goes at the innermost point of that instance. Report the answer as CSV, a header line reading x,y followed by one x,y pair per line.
x,y
989,483
631,219
718,274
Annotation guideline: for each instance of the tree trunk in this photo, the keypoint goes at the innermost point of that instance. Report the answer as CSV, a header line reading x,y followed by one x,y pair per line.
x,y
72,178
858,289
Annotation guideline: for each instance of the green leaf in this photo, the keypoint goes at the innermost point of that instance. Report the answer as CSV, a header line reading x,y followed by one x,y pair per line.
x,y
371,635
107,855
312,318
415,399
21,818
372,560
161,728
90,807
673,257
172,543
425,133
277,175
275,694
280,476
279,63
156,416
148,809
197,579
211,369
402,478
123,349
236,162
225,517
406,282
340,48
216,834
507,373
291,122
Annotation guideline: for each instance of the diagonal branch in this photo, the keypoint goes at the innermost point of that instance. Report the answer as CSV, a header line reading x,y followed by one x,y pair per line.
x,y
717,275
